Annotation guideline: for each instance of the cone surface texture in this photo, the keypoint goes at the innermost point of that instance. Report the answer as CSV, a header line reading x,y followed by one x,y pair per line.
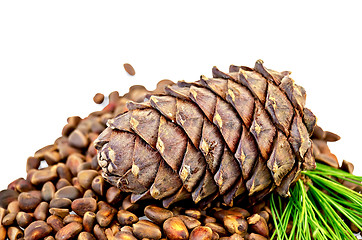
x,y
242,133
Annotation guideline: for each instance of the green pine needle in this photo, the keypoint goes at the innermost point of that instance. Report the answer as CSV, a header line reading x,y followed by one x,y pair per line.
x,y
324,169
311,213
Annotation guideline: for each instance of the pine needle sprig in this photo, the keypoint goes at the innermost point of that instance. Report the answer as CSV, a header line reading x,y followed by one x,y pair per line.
x,y
342,199
329,208
307,222
318,207
331,171
338,192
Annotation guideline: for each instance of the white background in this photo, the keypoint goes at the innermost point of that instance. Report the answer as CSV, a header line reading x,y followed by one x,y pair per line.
x,y
55,55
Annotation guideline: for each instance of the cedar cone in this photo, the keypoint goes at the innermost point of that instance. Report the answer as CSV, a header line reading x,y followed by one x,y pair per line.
x,y
246,132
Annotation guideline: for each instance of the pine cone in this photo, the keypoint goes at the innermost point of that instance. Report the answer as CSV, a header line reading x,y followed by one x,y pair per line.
x,y
240,133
